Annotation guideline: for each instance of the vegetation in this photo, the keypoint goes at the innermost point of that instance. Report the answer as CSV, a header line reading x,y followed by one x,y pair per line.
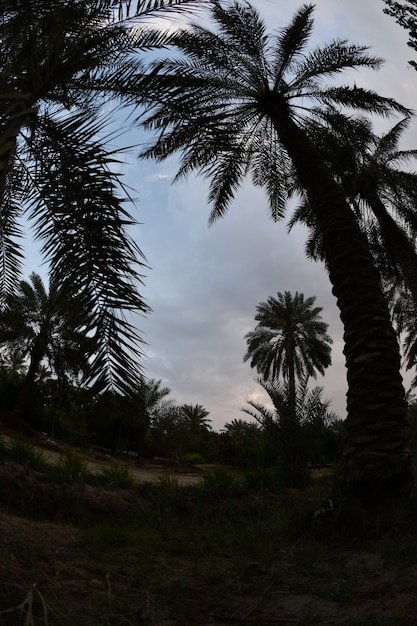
x,y
69,356
290,339
162,554
68,72
405,12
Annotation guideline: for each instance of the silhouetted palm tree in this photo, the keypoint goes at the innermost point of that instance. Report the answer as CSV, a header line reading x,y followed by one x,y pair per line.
x,y
290,339
195,418
288,428
43,324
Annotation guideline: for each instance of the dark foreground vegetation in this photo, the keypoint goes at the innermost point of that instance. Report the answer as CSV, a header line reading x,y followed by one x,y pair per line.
x,y
95,549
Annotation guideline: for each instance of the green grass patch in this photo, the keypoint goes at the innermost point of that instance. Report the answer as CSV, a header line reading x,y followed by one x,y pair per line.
x,y
25,453
117,475
70,467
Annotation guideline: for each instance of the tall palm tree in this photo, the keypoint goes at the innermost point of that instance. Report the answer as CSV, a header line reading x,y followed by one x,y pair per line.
x,y
43,324
290,338
69,70
236,101
382,193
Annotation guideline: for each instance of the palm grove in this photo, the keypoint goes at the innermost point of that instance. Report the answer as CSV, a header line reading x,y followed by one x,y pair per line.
x,y
237,101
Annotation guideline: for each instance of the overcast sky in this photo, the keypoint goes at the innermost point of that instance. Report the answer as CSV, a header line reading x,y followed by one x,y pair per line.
x,y
204,283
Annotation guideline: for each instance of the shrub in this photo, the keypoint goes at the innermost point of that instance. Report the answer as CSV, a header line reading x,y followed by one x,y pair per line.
x,y
264,479
24,452
118,475
193,458
165,481
70,466
220,479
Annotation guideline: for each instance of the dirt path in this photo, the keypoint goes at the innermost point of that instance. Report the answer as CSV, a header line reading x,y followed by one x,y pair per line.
x,y
145,473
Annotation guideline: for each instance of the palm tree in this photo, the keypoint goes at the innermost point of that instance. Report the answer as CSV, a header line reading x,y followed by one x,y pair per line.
x,y
290,338
236,101
147,400
64,65
43,324
194,418
238,428
290,432
369,168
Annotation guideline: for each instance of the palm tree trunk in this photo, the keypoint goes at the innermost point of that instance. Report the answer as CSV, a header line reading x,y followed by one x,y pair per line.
x,y
21,403
375,480
290,442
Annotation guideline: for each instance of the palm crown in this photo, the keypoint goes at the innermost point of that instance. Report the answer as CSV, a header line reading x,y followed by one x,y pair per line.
x,y
290,338
210,103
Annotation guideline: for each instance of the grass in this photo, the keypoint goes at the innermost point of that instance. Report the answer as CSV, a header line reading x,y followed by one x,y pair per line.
x,y
25,453
218,553
70,467
118,475
220,479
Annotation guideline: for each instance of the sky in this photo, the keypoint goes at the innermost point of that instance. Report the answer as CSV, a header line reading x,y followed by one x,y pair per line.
x,y
204,283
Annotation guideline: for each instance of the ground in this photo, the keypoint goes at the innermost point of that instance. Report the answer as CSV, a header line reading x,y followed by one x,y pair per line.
x,y
78,554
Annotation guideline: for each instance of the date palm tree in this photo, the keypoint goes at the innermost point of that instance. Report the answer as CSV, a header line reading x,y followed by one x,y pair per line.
x,y
290,432
290,338
43,325
234,102
195,418
69,70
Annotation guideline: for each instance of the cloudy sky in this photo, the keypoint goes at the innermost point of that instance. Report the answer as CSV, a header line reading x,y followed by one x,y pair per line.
x,y
204,283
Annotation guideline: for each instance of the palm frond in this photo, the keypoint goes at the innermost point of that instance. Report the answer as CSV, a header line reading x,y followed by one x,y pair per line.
x,y
359,98
291,42
85,238
328,60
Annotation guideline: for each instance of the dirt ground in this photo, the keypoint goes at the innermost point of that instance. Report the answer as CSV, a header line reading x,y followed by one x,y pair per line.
x,y
145,470
48,576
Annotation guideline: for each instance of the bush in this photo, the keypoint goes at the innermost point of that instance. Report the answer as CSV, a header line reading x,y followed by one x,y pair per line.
x,y
24,452
70,467
193,458
220,479
165,481
264,479
118,475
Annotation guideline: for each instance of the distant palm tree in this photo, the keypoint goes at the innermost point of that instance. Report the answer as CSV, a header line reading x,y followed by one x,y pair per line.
x,y
238,428
236,101
291,431
43,324
194,418
67,72
290,339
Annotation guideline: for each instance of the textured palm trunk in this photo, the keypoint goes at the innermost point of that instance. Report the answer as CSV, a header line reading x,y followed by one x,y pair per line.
x,y
290,430
396,240
374,482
